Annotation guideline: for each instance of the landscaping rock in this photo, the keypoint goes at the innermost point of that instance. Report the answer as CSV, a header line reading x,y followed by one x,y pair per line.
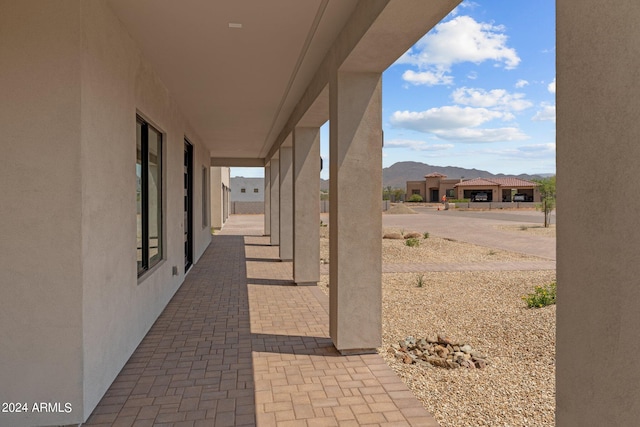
x,y
395,236
413,235
441,352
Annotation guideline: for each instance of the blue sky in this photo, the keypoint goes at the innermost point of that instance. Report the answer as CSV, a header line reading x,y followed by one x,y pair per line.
x,y
477,91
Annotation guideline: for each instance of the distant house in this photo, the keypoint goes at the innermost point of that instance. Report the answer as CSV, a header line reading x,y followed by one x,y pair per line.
x,y
433,187
436,185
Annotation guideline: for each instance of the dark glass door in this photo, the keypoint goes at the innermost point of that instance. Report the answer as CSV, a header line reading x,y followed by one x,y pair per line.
x,y
188,205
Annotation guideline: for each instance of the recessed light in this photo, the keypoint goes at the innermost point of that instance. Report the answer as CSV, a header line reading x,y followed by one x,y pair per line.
x,y
234,25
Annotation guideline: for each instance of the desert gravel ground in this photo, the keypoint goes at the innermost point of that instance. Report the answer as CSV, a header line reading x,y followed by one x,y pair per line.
x,y
485,310
433,249
535,230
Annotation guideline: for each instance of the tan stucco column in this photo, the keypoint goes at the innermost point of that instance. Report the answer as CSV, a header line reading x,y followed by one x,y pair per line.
x,y
355,220
598,244
306,217
274,190
286,203
267,199
215,189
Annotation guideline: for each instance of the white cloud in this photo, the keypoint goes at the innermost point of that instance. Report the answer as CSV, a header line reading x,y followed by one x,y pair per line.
x,y
499,99
534,151
442,118
521,83
472,75
455,123
427,78
482,135
416,145
547,113
552,86
461,39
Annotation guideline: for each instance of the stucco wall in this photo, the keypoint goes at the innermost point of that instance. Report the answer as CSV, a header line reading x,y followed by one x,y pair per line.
x,y
118,307
415,185
40,230
598,374
250,185
220,182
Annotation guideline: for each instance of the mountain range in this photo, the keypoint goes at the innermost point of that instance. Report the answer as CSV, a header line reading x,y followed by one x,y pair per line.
x,y
397,175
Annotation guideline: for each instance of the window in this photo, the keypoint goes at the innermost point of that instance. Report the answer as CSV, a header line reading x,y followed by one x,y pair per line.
x,y
451,193
149,196
243,190
415,191
255,190
205,205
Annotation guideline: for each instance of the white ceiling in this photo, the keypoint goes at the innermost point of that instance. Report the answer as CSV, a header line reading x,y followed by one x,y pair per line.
x,y
237,86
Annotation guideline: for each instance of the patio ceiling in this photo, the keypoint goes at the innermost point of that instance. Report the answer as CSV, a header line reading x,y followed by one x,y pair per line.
x,y
237,86
239,69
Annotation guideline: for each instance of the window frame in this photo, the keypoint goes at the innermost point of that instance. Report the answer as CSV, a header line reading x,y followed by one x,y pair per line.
x,y
205,193
147,262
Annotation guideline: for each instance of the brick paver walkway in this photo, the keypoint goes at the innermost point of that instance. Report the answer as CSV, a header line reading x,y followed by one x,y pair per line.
x,y
240,345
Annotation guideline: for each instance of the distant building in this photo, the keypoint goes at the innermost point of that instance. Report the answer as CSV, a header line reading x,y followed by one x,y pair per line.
x,y
436,185
247,189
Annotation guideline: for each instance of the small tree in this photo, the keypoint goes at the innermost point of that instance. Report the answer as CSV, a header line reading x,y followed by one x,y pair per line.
x,y
415,198
547,188
398,194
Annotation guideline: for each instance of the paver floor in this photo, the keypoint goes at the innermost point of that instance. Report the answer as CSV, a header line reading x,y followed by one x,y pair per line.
x,y
239,344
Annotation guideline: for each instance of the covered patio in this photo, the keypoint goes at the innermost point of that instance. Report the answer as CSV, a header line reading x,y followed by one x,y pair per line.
x,y
115,110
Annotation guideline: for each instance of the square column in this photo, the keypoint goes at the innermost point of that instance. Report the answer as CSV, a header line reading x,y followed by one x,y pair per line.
x,y
306,217
274,190
286,203
355,213
597,272
267,199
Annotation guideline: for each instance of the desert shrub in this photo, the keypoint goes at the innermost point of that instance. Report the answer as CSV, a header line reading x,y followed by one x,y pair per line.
x,y
419,280
425,235
542,296
412,242
415,198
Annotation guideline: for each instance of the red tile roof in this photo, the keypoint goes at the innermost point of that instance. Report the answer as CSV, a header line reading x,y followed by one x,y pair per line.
x,y
435,175
476,182
503,182
514,182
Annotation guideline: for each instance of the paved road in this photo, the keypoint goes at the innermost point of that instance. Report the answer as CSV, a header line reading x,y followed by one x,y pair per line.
x,y
523,216
479,228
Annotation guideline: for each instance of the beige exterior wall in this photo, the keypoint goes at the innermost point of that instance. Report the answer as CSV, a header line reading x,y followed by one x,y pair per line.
x,y
415,185
75,310
41,184
118,307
